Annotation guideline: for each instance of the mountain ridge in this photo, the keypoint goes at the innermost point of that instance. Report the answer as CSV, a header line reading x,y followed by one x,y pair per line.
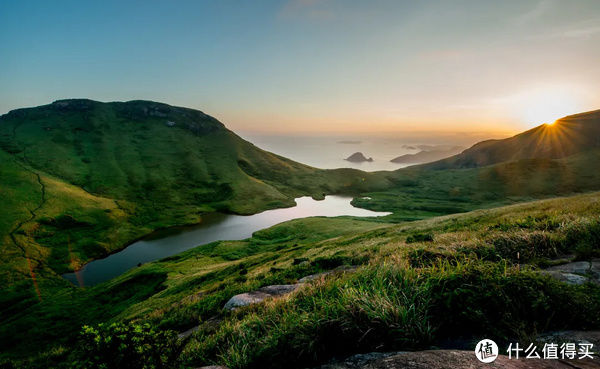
x,y
567,136
160,165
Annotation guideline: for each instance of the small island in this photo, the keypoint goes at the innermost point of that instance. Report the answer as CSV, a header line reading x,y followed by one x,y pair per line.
x,y
358,157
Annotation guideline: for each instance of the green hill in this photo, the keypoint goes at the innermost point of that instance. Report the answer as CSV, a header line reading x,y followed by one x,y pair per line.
x,y
565,137
80,179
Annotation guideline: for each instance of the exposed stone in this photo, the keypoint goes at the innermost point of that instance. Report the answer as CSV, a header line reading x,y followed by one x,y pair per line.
x,y
278,289
188,332
438,359
578,267
578,337
254,297
576,273
568,278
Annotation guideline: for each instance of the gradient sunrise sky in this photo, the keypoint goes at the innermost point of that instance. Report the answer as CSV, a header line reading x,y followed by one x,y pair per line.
x,y
313,66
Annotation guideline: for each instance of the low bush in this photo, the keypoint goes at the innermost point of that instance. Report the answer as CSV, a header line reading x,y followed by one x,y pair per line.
x,y
132,346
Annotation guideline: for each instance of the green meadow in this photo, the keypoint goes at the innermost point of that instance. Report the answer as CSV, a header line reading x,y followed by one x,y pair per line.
x,y
417,283
461,251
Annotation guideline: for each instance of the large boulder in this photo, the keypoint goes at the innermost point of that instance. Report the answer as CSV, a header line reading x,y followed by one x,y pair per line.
x,y
254,297
576,273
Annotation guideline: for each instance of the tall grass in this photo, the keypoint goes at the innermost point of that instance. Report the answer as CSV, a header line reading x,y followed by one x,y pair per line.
x,y
391,307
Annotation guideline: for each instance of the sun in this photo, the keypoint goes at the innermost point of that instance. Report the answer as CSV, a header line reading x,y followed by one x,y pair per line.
x,y
545,105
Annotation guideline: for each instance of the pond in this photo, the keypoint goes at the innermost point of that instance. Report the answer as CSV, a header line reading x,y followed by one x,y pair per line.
x,y
214,227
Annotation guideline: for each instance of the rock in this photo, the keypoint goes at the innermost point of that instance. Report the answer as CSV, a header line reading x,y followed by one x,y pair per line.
x,y
245,299
170,123
358,157
578,267
576,273
254,297
568,278
438,359
188,332
578,337
279,289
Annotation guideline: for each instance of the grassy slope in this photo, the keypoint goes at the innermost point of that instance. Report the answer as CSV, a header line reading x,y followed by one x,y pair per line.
x,y
159,176
475,278
565,137
117,172
166,291
180,291
420,193
113,172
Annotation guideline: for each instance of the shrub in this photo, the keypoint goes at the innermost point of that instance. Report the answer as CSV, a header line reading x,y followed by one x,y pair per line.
x,y
387,307
131,346
583,238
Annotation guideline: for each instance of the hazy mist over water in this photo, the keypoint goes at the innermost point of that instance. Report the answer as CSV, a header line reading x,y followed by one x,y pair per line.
x,y
329,152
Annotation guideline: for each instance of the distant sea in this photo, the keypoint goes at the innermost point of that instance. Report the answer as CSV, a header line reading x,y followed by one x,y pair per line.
x,y
329,152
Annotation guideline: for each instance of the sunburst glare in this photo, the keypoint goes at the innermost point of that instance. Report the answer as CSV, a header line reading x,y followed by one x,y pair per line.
x,y
545,105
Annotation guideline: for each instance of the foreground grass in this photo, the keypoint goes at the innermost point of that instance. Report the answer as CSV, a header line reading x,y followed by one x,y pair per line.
x,y
389,306
118,172
170,293
421,283
473,275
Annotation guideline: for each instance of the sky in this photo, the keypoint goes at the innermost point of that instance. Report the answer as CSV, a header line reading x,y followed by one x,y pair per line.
x,y
313,66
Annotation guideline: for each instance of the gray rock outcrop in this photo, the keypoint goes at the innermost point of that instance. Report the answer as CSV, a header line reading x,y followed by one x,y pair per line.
x,y
254,297
576,273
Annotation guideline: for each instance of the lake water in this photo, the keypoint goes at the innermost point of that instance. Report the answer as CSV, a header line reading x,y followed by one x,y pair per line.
x,y
214,227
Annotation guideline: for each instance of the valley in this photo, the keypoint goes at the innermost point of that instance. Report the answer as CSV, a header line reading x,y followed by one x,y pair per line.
x,y
492,216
